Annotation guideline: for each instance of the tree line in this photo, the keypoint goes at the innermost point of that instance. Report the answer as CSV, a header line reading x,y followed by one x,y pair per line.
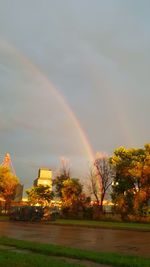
x,y
125,176
131,183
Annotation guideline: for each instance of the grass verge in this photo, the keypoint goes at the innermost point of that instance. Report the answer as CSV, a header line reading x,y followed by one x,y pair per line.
x,y
104,224
14,259
96,224
4,218
113,259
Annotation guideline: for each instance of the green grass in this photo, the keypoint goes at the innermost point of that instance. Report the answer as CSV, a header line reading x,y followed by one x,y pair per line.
x,y
14,259
105,224
96,224
4,218
113,259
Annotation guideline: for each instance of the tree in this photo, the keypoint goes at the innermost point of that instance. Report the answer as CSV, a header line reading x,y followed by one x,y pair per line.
x,y
131,186
101,176
73,199
141,173
71,190
63,175
8,185
93,187
40,195
123,183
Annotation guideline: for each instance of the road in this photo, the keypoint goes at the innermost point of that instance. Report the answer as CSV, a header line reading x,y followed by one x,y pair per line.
x,y
124,241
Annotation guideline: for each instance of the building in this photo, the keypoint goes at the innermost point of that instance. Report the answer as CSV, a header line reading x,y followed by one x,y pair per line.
x,y
18,193
44,177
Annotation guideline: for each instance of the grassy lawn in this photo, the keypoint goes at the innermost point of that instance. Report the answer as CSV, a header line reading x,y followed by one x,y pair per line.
x,y
105,224
4,218
8,258
14,259
92,223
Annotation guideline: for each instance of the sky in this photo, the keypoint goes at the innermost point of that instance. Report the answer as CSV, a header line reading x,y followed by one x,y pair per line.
x,y
74,80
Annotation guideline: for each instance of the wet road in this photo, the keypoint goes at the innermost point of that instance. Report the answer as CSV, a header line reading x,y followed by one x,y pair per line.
x,y
131,242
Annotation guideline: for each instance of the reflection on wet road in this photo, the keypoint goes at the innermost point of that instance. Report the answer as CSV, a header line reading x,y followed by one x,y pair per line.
x,y
133,242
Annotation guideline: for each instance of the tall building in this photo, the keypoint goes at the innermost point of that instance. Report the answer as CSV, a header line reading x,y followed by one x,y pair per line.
x,y
44,177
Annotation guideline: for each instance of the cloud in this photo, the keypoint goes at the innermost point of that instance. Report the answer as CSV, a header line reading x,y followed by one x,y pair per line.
x,y
96,54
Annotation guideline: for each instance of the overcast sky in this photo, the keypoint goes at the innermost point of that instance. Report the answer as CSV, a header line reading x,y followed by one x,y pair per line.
x,y
95,55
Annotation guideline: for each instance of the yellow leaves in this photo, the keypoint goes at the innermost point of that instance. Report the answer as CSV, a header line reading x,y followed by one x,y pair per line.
x,y
8,183
139,199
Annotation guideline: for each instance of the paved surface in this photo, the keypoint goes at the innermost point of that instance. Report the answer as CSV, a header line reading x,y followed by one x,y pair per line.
x,y
130,242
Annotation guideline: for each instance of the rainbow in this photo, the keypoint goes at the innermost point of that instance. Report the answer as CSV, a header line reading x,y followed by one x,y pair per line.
x,y
117,103
36,72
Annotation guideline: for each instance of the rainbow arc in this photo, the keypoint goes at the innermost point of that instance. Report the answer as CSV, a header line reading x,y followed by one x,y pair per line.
x,y
36,73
